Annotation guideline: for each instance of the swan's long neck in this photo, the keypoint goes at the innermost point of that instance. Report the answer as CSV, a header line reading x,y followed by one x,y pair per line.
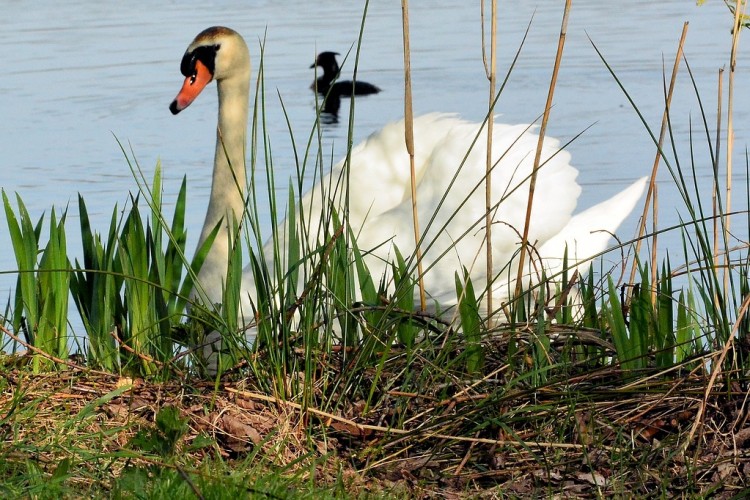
x,y
228,184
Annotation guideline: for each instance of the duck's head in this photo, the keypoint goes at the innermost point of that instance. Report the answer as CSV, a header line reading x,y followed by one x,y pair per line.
x,y
327,61
217,53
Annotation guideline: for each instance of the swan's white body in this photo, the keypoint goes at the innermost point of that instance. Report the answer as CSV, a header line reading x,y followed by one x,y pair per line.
x,y
379,189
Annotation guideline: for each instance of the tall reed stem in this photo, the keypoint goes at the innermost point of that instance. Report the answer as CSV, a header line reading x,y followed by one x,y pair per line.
x,y
538,155
409,138
657,158
739,12
714,193
491,76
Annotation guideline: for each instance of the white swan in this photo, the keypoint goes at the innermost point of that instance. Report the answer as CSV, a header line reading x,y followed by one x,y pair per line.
x,y
380,204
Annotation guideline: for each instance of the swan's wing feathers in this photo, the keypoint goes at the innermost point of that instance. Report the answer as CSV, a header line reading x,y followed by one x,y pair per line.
x,y
380,177
457,165
589,232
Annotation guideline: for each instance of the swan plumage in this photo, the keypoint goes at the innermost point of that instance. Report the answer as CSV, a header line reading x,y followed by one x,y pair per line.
x,y
450,157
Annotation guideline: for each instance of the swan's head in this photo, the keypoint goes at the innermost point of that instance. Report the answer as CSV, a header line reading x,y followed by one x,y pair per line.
x,y
217,53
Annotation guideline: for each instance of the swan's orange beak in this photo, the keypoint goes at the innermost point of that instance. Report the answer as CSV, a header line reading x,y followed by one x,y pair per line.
x,y
191,88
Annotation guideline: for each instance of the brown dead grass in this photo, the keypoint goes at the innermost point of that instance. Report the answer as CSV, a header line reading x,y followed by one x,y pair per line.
x,y
480,442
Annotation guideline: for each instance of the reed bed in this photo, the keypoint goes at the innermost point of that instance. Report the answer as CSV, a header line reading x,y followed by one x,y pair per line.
x,y
613,383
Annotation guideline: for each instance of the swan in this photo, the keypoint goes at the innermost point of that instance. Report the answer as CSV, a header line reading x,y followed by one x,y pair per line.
x,y
379,193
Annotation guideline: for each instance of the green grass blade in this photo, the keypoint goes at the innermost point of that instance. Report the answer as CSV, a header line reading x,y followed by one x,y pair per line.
x,y
471,323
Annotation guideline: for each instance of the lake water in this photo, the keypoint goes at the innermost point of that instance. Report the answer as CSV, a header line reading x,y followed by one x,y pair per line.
x,y
79,75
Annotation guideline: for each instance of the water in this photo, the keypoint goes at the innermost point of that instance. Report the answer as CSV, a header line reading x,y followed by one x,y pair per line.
x,y
81,75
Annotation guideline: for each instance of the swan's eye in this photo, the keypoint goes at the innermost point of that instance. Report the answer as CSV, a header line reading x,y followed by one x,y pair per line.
x,y
193,77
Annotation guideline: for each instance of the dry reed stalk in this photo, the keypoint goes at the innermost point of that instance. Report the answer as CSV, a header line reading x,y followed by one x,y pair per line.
x,y
654,239
739,12
491,76
538,155
409,139
714,197
657,159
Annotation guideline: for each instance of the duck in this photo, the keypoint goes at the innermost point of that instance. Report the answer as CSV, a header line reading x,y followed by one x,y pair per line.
x,y
450,167
332,89
326,83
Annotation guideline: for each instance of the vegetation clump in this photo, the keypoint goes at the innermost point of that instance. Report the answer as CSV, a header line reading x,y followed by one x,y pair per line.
x,y
630,380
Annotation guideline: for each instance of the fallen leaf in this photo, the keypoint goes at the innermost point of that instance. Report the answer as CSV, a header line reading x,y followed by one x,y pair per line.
x,y
592,478
238,435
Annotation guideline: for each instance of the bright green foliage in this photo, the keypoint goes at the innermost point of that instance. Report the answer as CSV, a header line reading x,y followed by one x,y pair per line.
x,y
28,480
95,287
630,348
664,325
589,309
687,329
131,288
339,277
541,348
403,299
652,337
144,313
164,437
41,305
471,324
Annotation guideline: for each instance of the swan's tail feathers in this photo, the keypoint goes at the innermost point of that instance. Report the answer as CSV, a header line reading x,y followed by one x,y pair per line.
x,y
589,232
586,235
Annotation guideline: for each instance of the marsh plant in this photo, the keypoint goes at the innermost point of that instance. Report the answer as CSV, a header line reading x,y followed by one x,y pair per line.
x,y
331,335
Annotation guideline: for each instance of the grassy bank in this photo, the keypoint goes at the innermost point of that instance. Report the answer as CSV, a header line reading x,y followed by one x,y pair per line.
x,y
630,380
